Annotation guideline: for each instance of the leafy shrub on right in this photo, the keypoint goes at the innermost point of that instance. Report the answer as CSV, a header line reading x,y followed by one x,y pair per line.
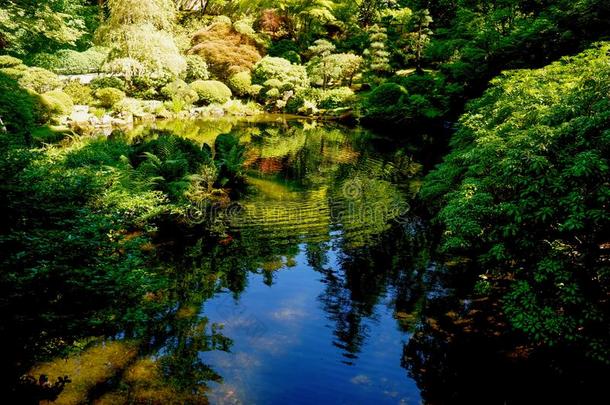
x,y
526,188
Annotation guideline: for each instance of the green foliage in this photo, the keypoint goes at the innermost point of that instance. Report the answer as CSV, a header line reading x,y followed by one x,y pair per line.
x,y
103,82
314,98
525,190
56,103
211,91
280,69
286,49
385,102
27,27
377,55
39,80
17,109
109,96
196,68
7,61
229,158
241,83
180,94
79,93
67,61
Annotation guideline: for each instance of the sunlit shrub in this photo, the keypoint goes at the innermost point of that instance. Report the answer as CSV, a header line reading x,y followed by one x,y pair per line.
x,y
56,103
280,69
240,83
67,61
7,61
40,80
341,97
107,81
80,93
211,91
196,68
180,95
109,96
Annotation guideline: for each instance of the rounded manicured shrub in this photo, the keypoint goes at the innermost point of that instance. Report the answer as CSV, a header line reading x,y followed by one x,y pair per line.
x,y
56,103
270,68
211,91
240,83
109,96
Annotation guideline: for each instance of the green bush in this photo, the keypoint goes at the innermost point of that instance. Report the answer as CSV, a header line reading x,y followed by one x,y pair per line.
x,y
39,80
67,61
292,56
385,103
7,61
56,103
282,47
525,192
17,107
148,87
280,69
80,93
196,68
180,95
240,83
211,91
106,82
109,96
325,99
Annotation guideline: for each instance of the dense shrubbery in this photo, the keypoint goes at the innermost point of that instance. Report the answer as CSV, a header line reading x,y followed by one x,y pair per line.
x,y
40,80
68,61
525,192
241,84
80,93
180,94
109,96
270,68
312,100
107,81
211,91
17,108
196,68
56,103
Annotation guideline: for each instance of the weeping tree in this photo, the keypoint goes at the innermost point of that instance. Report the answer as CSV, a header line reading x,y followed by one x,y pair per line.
x,y
140,35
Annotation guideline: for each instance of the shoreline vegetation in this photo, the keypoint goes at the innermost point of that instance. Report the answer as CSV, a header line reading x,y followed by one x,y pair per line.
x,y
518,206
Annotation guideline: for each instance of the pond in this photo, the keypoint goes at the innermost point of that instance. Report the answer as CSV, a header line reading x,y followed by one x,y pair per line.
x,y
321,254
322,289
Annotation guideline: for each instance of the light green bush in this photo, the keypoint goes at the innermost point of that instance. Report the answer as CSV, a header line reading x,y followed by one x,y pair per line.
x,y
107,81
211,91
280,69
56,103
67,61
180,95
39,80
129,106
240,83
80,93
324,99
7,61
196,68
109,96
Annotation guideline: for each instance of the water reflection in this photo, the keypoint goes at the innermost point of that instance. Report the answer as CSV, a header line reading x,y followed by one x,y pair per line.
x,y
310,297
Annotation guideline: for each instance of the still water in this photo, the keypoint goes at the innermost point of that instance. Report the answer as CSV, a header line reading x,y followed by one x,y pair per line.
x,y
316,319
312,294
